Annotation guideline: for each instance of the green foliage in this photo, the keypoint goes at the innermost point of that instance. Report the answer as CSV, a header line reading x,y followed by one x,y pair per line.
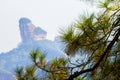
x,y
55,68
96,36
27,73
19,73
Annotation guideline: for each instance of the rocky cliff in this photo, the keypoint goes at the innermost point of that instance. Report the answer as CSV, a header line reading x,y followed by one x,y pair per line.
x,y
32,38
29,32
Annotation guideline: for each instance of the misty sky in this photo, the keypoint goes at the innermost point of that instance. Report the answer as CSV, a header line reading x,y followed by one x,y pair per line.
x,y
50,15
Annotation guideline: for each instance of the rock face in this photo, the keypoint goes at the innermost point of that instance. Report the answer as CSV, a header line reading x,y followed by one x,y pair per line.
x,y
29,32
5,75
32,38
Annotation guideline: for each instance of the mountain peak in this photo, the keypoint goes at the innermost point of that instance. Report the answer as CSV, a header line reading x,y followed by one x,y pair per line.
x,y
24,20
29,32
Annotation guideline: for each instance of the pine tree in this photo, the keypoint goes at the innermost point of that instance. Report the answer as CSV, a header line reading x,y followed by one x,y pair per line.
x,y
94,37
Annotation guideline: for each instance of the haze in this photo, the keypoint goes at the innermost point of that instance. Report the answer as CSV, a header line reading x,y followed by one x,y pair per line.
x,y
50,15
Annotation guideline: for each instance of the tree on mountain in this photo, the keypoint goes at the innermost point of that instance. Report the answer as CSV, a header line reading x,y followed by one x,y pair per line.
x,y
94,36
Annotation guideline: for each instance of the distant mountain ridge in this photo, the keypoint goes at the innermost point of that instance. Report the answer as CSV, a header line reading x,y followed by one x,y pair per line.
x,y
30,41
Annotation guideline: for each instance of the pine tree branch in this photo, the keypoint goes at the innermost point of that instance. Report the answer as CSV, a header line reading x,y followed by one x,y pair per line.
x,y
107,51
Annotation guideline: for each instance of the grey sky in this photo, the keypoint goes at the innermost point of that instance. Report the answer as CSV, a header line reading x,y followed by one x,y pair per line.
x,y
50,15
